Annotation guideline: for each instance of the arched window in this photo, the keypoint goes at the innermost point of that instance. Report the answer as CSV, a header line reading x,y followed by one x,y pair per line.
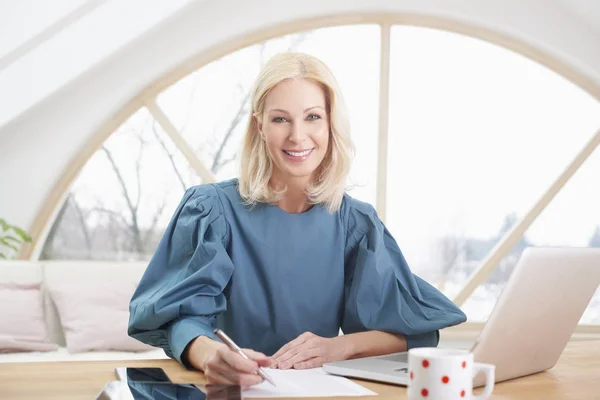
x,y
476,135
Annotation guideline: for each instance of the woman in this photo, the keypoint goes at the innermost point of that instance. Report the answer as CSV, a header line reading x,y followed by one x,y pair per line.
x,y
282,258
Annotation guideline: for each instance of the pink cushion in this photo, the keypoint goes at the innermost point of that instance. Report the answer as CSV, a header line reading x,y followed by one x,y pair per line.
x,y
94,312
22,326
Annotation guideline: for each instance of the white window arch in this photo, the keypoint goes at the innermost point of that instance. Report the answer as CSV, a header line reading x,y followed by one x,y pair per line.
x,y
475,134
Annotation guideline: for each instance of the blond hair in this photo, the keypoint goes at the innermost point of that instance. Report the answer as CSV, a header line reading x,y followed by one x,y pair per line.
x,y
256,163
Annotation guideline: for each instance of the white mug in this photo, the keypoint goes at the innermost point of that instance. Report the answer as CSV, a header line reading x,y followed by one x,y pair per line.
x,y
438,373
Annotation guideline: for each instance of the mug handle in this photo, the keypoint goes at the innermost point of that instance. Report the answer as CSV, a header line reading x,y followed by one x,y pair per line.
x,y
488,370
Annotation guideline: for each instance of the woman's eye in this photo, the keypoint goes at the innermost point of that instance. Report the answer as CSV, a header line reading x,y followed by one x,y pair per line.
x,y
278,119
313,117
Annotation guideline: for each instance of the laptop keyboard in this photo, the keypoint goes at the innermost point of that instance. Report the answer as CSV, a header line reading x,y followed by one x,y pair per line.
x,y
401,357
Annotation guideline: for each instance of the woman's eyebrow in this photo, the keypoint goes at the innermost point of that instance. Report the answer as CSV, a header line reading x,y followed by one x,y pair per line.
x,y
284,111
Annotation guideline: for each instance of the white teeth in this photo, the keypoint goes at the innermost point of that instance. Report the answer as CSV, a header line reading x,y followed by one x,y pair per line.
x,y
298,154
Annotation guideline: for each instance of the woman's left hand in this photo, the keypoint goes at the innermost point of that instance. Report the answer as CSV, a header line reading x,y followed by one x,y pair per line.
x,y
310,351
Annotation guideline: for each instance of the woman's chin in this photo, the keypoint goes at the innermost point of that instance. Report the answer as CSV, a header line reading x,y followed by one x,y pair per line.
x,y
297,170
300,172
298,175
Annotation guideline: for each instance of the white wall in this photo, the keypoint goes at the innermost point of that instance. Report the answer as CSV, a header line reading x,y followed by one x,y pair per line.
x,y
36,146
89,35
22,20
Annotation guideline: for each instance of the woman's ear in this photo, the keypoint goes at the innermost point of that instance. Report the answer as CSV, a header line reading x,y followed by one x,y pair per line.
x,y
259,125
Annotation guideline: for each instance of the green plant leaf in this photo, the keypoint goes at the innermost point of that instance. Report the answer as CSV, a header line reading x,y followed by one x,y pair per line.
x,y
5,226
22,234
13,239
2,256
7,244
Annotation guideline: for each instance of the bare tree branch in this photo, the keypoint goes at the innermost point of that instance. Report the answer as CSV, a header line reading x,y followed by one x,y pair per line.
x,y
82,221
451,249
232,125
134,220
157,215
188,113
227,161
113,214
168,153
138,164
119,177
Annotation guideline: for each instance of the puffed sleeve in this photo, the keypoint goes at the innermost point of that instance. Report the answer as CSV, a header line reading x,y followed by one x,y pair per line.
x,y
381,292
181,292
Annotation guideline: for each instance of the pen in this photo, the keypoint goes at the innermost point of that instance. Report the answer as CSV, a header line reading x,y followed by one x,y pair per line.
x,y
231,344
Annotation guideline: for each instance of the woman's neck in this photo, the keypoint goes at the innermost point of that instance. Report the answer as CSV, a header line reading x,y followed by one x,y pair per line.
x,y
295,199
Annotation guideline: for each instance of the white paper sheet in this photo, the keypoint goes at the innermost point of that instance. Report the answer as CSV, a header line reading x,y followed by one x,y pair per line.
x,y
306,383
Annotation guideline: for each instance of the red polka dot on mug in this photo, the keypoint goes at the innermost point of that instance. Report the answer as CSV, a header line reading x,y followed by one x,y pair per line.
x,y
445,373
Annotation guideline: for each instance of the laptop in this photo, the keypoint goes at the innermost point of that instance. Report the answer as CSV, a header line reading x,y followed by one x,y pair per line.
x,y
529,326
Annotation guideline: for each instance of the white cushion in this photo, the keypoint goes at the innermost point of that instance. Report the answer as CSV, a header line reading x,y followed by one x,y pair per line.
x,y
73,273
92,299
27,272
23,324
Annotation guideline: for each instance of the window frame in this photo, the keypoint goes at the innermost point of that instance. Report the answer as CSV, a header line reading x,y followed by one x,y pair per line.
x,y
46,216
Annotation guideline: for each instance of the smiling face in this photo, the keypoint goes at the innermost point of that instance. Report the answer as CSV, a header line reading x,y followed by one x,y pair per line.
x,y
295,125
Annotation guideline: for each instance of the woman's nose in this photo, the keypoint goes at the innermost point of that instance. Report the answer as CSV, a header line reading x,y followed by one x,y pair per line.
x,y
298,132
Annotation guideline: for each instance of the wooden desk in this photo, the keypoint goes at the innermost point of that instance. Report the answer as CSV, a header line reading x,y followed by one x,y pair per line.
x,y
576,376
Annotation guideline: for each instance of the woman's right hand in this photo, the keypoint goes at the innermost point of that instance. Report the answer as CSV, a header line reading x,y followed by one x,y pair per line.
x,y
228,367
222,365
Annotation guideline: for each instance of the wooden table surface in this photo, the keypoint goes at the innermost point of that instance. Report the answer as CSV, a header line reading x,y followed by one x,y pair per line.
x,y
576,376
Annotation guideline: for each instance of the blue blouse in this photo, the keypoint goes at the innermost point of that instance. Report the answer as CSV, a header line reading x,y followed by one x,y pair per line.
x,y
265,276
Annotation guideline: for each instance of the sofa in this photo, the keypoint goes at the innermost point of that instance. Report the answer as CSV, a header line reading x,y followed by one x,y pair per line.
x,y
68,311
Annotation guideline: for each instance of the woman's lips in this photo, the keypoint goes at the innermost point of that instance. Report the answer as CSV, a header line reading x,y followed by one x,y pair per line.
x,y
298,156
